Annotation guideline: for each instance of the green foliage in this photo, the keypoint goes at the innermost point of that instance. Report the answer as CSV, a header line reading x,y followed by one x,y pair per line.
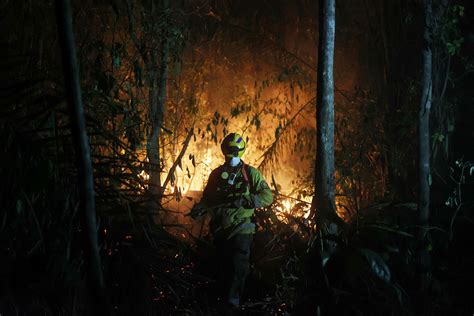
x,y
361,177
461,180
449,31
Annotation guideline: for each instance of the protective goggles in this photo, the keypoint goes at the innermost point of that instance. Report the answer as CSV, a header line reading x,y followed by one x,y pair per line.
x,y
233,150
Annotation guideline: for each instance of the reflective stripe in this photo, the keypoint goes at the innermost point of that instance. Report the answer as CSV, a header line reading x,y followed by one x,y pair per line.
x,y
234,301
246,225
239,228
256,201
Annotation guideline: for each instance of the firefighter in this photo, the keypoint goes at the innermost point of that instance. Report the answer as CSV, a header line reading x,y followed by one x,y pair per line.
x,y
232,193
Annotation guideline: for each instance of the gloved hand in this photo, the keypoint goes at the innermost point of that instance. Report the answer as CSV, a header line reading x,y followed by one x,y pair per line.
x,y
197,210
228,217
244,201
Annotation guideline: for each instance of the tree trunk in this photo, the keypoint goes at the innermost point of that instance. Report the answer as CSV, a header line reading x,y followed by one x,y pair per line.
x,y
323,204
423,258
82,149
153,147
157,99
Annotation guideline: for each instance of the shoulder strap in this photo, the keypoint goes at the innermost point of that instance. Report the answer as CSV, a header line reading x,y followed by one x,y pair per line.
x,y
245,175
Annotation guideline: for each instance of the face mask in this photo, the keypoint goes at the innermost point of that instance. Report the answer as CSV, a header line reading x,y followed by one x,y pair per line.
x,y
234,162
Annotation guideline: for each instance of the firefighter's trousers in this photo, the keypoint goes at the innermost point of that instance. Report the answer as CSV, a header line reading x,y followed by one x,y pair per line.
x,y
234,255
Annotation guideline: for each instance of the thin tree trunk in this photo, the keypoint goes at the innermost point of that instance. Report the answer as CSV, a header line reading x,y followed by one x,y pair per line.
x,y
178,160
324,200
423,260
82,148
157,99
153,148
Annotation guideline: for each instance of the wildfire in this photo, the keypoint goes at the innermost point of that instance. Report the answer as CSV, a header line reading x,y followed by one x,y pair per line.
x,y
289,207
145,177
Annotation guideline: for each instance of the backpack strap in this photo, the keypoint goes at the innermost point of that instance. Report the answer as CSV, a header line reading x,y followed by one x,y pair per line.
x,y
245,175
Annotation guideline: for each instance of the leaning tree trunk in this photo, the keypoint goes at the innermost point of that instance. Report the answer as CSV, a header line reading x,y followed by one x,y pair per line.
x,y
82,148
323,205
423,259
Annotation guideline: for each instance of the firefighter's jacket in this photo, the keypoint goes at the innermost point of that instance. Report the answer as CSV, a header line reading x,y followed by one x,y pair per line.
x,y
231,196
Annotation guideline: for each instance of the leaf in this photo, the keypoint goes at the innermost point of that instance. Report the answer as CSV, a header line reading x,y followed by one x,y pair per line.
x,y
278,131
19,206
234,111
389,229
116,61
172,179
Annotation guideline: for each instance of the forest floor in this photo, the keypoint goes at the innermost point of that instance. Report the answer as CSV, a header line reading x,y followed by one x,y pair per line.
x,y
158,273
158,268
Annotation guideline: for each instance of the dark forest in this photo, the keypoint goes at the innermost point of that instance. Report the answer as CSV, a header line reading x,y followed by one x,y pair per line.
x,y
236,157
